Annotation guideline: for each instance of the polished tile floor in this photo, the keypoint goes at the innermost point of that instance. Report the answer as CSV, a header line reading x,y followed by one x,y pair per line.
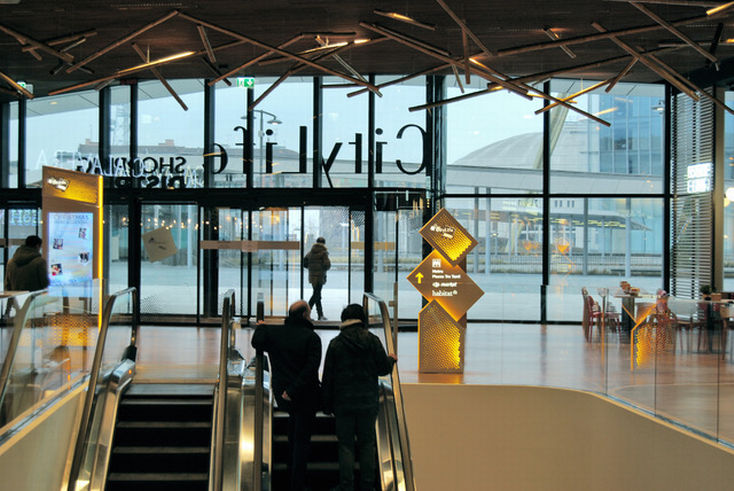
x,y
676,378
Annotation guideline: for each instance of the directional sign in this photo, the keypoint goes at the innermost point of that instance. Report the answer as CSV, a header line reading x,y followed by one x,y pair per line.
x,y
247,82
447,235
448,285
442,341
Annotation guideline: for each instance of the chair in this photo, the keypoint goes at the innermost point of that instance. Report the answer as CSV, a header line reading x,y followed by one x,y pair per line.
x,y
593,315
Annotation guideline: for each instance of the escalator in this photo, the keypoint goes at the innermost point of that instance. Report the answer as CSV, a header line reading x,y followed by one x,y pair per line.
x,y
270,427
162,438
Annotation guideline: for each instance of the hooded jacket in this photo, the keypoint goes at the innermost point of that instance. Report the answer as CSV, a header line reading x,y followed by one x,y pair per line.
x,y
26,270
294,350
317,262
354,360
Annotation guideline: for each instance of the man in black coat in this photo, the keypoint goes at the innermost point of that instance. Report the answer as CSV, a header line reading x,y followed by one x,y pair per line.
x,y
354,360
294,350
317,262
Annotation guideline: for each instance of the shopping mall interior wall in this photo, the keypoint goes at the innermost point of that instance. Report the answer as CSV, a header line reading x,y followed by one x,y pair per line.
x,y
505,437
36,457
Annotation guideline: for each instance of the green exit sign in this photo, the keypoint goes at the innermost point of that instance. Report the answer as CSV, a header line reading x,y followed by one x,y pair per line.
x,y
247,82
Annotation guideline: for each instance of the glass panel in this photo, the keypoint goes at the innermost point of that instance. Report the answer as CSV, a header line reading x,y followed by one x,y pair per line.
x,y
275,273
55,349
385,258
277,121
3,247
343,119
232,262
332,223
117,247
729,186
356,269
120,124
22,222
76,146
168,268
513,229
598,243
13,171
392,118
170,140
410,254
627,157
494,141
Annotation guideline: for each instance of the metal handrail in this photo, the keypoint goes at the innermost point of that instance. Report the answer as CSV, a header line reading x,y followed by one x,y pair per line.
x,y
227,340
20,321
259,412
84,425
390,340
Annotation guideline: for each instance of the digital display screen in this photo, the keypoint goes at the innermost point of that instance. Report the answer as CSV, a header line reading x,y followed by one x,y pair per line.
x,y
71,252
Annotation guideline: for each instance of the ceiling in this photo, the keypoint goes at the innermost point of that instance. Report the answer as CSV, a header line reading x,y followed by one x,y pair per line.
x,y
500,26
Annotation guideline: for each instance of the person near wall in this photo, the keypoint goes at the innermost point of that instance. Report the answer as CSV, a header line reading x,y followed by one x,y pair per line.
x,y
354,360
294,350
318,263
27,269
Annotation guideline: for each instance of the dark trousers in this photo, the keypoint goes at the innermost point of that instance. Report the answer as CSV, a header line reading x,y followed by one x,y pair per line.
x,y
300,425
362,425
316,299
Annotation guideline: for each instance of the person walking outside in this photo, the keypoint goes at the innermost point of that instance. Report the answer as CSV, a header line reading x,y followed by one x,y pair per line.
x,y
27,269
294,350
317,262
354,360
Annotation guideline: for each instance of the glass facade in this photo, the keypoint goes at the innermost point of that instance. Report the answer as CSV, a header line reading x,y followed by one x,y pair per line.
x,y
541,232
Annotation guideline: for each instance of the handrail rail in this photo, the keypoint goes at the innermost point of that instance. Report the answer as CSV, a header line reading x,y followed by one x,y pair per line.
x,y
20,321
397,390
227,340
259,413
94,375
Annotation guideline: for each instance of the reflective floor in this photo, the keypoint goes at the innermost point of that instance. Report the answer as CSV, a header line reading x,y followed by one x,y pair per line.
x,y
681,381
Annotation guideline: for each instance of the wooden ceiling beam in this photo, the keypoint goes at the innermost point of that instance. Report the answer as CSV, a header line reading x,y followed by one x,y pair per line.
x,y
571,97
207,45
268,47
674,31
465,28
157,74
620,75
122,41
27,40
16,86
403,79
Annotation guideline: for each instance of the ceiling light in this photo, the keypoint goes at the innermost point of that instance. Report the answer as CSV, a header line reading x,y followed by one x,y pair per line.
x,y
405,18
720,8
607,111
362,40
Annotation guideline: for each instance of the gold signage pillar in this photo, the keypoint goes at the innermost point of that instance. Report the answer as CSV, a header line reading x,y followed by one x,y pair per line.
x,y
441,279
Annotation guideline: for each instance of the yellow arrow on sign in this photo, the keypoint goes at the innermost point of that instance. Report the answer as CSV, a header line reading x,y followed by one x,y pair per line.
x,y
419,277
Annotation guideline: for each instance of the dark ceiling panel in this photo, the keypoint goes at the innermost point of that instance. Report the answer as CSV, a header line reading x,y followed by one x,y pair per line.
x,y
499,25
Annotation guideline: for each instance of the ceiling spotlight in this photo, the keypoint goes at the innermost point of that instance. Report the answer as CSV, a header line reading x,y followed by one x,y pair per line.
x,y
405,18
720,8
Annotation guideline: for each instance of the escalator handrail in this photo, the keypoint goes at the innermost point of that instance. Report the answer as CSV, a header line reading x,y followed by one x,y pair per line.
x,y
227,341
84,425
396,388
20,322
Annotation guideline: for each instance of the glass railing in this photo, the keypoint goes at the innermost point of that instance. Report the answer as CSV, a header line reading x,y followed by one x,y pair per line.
x,y
112,368
670,357
47,351
396,467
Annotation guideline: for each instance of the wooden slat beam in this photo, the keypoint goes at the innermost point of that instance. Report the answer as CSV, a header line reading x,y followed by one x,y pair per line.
x,y
621,75
549,32
16,86
465,28
122,41
207,45
573,96
268,47
673,30
403,79
158,75
27,40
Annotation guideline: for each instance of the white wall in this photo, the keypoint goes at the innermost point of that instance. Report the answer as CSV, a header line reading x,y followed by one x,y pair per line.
x,y
469,437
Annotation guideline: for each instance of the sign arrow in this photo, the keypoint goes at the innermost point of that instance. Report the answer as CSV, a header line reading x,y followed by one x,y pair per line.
x,y
448,285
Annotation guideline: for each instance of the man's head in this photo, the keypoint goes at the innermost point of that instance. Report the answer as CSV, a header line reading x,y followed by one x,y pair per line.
x,y
321,240
299,310
33,241
354,311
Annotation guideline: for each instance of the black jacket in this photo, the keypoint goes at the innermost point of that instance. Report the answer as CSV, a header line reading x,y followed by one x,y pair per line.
x,y
354,360
294,350
318,263
27,270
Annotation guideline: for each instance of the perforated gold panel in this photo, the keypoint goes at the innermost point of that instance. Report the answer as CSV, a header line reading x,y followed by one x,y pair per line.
x,y
440,341
73,329
446,235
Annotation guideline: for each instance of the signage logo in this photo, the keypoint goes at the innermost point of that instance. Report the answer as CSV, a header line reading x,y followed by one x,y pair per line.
x,y
59,183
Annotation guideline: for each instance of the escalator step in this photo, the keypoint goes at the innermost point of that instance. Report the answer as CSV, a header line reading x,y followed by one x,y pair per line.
x,y
157,409
157,476
160,450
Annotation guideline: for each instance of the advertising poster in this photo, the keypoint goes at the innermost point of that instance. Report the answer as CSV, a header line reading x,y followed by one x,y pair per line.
x,y
70,252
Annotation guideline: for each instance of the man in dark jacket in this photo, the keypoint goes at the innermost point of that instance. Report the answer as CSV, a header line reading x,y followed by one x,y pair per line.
x,y
317,262
354,360
295,355
27,269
